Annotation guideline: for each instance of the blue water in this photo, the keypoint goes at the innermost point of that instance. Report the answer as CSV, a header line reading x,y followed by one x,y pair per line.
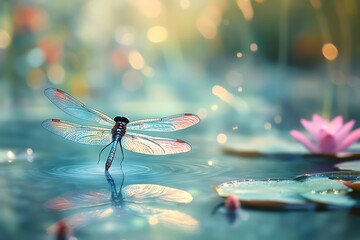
x,y
58,167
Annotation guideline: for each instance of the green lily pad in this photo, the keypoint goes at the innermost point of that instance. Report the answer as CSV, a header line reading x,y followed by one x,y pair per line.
x,y
303,192
340,175
334,198
277,190
350,165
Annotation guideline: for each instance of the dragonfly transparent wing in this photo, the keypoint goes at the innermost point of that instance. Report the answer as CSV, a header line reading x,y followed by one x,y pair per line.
x,y
166,216
153,145
77,221
77,200
165,124
78,133
140,193
76,108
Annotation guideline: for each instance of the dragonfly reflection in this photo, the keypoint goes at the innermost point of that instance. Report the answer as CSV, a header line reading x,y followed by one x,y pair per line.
x,y
116,131
132,199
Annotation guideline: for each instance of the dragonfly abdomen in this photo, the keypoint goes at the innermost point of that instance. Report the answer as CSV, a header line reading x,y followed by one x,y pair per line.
x,y
111,153
118,131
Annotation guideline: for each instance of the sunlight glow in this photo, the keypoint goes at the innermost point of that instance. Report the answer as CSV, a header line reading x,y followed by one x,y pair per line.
x,y
153,221
157,34
214,107
208,22
107,212
149,8
329,51
10,155
221,138
223,94
56,73
246,9
5,39
136,60
253,47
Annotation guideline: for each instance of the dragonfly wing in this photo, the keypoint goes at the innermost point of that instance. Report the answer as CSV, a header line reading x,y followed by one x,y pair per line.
x,y
140,193
77,200
166,216
78,133
165,124
76,108
153,145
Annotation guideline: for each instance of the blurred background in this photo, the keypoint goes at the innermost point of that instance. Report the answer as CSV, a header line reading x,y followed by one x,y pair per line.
x,y
247,65
251,69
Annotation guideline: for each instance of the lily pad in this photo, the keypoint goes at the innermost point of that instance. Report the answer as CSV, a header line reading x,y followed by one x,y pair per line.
x,y
350,165
333,198
276,190
341,175
306,192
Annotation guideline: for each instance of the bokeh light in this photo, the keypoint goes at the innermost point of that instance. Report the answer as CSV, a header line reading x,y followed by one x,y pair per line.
x,y
253,47
149,8
246,9
221,138
157,34
56,74
136,60
36,78
329,51
5,39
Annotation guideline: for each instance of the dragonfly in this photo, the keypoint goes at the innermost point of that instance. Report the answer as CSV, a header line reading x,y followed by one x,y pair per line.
x,y
131,200
114,131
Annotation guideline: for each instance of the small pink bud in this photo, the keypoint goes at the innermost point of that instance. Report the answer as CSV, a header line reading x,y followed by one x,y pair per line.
x,y
62,230
232,203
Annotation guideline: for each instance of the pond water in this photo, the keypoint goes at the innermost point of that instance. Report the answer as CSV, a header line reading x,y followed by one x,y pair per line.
x,y
57,167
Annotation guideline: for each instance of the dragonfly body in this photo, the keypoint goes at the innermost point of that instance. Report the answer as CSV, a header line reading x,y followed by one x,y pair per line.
x,y
115,130
118,131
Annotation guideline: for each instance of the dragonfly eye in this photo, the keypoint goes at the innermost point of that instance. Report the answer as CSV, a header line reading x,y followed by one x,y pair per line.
x,y
121,119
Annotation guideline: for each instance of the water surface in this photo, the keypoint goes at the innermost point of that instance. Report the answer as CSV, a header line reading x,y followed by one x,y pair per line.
x,y
59,167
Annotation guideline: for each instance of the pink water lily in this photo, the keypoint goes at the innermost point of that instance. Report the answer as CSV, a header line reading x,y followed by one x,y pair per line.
x,y
327,136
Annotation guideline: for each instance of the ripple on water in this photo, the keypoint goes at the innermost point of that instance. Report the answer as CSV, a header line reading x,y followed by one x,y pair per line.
x,y
156,171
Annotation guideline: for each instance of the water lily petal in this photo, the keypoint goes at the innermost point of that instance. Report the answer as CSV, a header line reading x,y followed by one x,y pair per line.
x,y
337,123
353,137
327,143
344,131
318,123
299,136
309,127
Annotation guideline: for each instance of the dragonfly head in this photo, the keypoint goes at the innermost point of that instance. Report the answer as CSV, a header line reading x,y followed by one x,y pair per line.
x,y
121,119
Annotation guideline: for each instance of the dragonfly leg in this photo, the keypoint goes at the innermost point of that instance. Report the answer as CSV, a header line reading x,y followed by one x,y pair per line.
x,y
122,154
102,151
